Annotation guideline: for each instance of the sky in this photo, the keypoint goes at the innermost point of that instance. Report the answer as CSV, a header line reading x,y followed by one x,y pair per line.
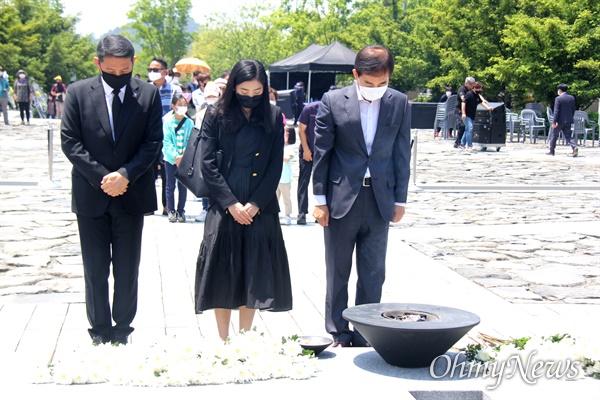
x,y
98,18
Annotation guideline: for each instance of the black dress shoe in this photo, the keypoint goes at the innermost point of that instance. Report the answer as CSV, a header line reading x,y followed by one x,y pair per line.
x,y
301,219
117,340
341,344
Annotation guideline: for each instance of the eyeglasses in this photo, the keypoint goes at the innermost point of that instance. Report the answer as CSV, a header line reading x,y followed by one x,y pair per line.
x,y
155,69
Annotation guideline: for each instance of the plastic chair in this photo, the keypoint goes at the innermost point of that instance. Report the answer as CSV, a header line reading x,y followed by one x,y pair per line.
x,y
537,107
439,118
513,124
451,117
580,127
445,117
533,124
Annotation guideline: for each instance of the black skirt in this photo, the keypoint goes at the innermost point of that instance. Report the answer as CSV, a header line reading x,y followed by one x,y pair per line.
x,y
242,265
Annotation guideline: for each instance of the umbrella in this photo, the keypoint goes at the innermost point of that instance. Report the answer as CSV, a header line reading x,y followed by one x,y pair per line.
x,y
189,65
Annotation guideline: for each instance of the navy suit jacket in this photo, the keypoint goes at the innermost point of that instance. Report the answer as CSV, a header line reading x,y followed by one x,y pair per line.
x,y
87,142
341,158
564,109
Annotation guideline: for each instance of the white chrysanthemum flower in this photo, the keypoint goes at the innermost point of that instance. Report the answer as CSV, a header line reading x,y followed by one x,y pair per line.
x,y
484,354
292,348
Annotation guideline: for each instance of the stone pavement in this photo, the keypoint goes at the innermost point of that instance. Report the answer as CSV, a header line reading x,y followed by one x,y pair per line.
x,y
511,235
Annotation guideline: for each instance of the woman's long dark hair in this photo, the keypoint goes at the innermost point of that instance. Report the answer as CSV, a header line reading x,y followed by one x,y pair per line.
x,y
229,110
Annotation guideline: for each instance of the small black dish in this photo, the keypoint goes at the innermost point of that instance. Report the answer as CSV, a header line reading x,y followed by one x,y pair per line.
x,y
315,343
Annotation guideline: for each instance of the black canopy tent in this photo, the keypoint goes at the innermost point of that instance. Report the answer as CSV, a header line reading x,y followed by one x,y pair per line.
x,y
326,61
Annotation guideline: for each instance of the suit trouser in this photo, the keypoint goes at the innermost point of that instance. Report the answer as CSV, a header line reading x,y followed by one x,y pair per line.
x,y
566,130
303,182
116,237
362,228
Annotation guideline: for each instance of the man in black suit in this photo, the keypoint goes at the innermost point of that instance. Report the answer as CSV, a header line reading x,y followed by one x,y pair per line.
x,y
112,133
360,182
562,119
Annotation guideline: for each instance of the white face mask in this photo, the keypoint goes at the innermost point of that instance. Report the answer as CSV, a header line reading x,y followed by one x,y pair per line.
x,y
558,91
22,76
448,94
180,110
372,93
211,101
168,78
273,102
176,79
154,76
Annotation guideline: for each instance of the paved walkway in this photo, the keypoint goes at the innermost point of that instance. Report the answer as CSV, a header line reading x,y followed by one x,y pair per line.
x,y
524,258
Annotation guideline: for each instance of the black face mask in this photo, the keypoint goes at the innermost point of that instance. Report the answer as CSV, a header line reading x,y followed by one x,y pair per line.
x,y
248,101
116,81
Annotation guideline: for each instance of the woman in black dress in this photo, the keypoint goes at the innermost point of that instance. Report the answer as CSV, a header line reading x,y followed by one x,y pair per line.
x,y
242,262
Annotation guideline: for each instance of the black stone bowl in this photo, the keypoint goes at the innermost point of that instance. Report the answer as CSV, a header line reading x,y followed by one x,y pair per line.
x,y
315,343
410,344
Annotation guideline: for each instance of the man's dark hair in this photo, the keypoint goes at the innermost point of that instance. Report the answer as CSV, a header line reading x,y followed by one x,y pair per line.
x,y
478,85
196,73
114,46
226,74
374,60
563,87
448,88
161,61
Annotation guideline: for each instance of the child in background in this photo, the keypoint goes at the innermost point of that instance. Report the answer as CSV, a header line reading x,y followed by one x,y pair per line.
x,y
285,183
176,133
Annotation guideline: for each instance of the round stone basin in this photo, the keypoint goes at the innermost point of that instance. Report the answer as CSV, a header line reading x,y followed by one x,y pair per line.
x,y
410,335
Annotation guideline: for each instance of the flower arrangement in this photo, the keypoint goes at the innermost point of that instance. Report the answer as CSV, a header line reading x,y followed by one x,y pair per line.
x,y
554,354
244,358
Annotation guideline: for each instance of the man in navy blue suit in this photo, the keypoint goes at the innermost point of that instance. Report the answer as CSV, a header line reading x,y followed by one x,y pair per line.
x,y
361,169
562,119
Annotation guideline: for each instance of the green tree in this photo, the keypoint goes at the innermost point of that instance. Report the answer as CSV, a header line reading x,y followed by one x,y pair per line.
x,y
222,42
548,43
160,27
36,37
520,49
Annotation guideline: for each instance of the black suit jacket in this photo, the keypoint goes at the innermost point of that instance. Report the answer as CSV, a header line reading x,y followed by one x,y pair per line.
x,y
87,142
266,166
341,158
564,109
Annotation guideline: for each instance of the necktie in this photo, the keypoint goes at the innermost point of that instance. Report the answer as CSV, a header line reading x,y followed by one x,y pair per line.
x,y
116,110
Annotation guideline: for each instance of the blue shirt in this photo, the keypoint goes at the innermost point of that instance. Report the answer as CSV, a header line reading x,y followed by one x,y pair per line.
x,y
175,142
166,92
4,88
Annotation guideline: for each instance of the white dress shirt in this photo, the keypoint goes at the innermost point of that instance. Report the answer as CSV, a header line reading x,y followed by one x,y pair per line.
x,y
369,116
108,96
